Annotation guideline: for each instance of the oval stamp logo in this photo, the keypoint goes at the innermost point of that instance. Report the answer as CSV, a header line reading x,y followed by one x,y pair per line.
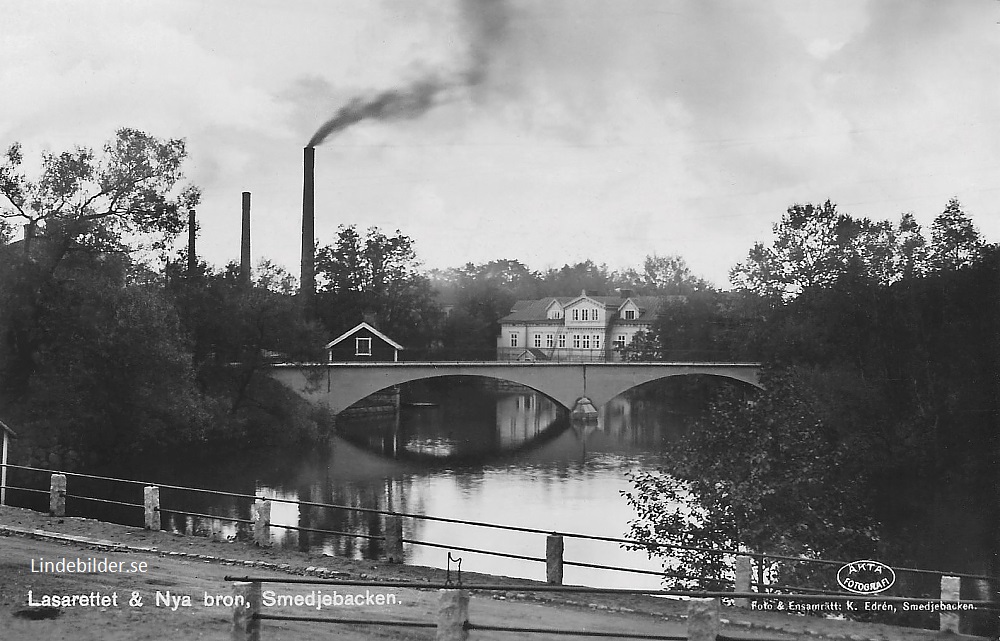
x,y
866,577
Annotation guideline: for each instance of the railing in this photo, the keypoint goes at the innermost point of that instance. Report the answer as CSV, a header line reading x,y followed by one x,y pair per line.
x,y
452,624
554,543
703,608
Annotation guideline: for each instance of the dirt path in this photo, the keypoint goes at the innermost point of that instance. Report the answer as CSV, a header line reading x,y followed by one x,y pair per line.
x,y
189,568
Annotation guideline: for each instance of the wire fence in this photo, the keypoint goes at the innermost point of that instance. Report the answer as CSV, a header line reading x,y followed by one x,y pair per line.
x,y
760,557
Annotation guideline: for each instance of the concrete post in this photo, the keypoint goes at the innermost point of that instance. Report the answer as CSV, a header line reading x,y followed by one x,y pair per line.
x,y
151,505
3,467
951,587
554,559
262,523
703,619
453,616
742,580
246,605
57,495
394,539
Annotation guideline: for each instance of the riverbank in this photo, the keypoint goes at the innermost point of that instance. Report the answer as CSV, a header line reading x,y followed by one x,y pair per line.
x,y
193,567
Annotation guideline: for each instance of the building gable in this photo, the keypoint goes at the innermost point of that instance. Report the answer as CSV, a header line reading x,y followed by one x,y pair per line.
x,y
363,342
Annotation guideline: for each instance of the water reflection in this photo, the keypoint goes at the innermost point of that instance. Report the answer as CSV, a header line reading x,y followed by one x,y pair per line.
x,y
479,450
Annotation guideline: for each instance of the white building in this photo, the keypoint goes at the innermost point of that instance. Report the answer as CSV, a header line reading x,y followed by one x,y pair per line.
x,y
582,328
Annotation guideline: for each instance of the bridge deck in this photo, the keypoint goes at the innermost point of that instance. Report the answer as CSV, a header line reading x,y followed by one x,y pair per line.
x,y
338,385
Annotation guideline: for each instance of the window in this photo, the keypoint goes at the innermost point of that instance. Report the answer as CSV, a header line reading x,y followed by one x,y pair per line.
x,y
620,342
629,314
562,340
549,340
576,341
584,314
538,340
597,341
513,340
362,346
586,341
576,314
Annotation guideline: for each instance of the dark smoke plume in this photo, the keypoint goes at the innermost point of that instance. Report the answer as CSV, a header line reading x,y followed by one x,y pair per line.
x,y
485,21
394,104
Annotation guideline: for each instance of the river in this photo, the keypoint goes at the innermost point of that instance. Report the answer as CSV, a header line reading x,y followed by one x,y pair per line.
x,y
477,450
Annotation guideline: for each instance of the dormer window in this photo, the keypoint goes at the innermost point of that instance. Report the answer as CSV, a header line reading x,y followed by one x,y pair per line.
x,y
362,346
629,314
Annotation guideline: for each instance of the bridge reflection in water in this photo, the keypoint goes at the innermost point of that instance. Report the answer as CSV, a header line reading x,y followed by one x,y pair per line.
x,y
481,450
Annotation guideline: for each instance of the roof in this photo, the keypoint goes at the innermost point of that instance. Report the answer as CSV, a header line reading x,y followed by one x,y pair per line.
x,y
7,429
371,329
535,311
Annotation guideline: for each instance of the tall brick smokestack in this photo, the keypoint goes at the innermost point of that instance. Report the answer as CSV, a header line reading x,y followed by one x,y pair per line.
x,y
192,254
245,243
307,283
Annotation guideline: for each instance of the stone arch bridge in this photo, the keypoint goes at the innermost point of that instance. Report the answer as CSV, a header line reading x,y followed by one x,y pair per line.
x,y
339,385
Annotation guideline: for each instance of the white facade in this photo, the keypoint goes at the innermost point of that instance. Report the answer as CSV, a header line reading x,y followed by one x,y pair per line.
x,y
584,328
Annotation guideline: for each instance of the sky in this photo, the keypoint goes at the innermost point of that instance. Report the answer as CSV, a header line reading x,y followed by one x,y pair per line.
x,y
547,131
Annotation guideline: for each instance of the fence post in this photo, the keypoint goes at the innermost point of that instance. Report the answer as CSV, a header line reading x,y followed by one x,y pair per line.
x,y
742,580
394,538
151,505
554,559
57,495
951,587
262,523
246,607
703,619
453,616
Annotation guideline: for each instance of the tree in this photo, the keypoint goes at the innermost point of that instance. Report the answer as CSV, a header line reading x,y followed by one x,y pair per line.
x,y
376,275
662,275
569,280
911,257
126,198
955,241
763,473
132,188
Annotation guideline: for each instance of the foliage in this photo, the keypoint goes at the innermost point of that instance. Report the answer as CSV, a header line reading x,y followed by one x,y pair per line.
x,y
881,398
662,276
98,355
766,473
109,369
955,241
815,246
375,275
132,188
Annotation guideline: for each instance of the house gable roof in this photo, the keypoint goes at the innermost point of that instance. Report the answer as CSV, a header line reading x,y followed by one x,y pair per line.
x,y
536,311
360,326
594,299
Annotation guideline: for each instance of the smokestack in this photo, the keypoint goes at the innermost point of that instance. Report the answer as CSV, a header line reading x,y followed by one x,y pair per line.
x,y
245,244
192,254
307,283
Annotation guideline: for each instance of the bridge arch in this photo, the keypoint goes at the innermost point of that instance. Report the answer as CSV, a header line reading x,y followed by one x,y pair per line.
x,y
604,389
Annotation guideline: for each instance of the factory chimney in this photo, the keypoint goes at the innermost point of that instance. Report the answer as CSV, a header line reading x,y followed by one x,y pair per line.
x,y
307,283
192,265
245,244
